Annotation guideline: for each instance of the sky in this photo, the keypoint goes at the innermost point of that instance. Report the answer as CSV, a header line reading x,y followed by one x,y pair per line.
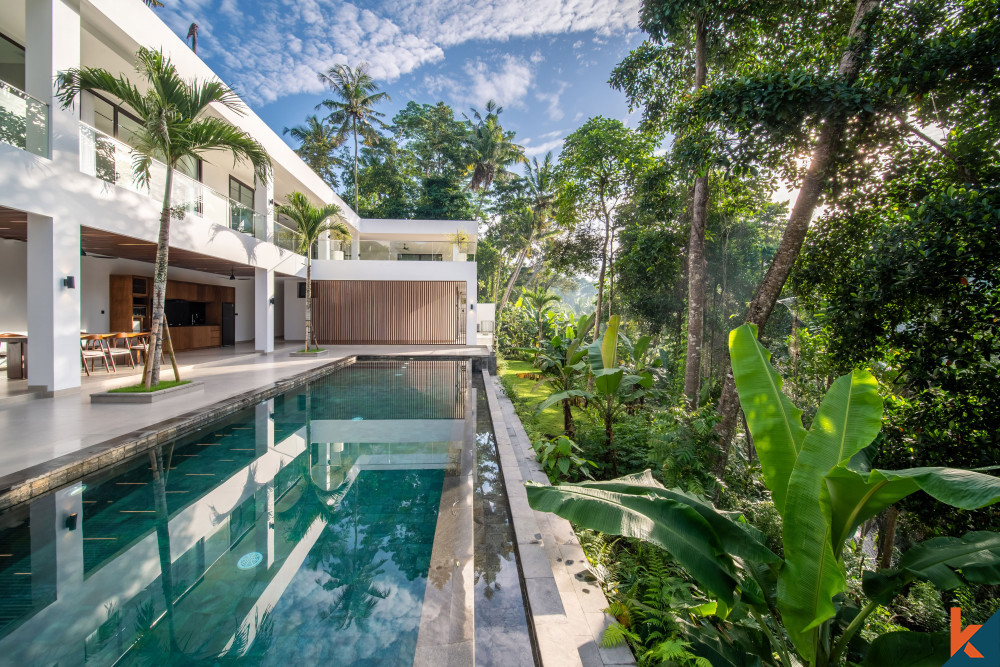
x,y
546,62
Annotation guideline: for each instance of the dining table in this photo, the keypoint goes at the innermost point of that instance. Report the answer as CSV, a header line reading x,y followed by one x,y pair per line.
x,y
17,355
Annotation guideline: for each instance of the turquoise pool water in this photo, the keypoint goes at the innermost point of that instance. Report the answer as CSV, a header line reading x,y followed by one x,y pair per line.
x,y
300,531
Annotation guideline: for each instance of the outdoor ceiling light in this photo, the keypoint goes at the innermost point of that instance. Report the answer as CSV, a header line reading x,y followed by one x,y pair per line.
x,y
232,274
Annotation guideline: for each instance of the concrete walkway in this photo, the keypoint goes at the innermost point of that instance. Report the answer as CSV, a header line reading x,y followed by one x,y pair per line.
x,y
36,430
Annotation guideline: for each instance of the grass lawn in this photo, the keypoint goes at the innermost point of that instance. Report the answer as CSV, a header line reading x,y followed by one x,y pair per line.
x,y
550,421
141,389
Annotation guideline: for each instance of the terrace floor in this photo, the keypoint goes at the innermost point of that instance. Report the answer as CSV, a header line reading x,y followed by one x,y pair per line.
x,y
34,430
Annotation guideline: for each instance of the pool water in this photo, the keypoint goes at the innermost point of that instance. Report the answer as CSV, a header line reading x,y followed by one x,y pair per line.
x,y
300,531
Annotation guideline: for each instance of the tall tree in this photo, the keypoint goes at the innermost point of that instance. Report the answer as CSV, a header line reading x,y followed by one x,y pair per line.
x,y
542,190
354,109
311,223
493,149
318,143
599,167
175,127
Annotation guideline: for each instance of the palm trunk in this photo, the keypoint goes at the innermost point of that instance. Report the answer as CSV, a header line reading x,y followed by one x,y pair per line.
x,y
795,231
354,126
609,439
696,252
510,284
308,298
163,541
160,286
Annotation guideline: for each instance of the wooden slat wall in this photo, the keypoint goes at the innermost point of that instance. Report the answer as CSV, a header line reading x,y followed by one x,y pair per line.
x,y
389,312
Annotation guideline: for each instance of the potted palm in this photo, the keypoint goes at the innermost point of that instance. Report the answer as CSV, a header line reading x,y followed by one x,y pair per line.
x,y
460,245
175,126
311,222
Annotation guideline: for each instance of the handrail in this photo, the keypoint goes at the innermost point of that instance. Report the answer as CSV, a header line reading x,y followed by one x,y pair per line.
x,y
21,93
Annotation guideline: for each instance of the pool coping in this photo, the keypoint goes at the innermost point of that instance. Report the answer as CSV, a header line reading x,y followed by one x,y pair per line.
x,y
447,614
565,605
37,480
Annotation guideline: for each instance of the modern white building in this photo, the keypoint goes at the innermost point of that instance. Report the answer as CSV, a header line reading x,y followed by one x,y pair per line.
x,y
74,223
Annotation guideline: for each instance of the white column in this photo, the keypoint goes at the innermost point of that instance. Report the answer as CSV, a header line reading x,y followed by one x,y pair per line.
x,y
53,45
264,431
263,204
263,310
53,307
355,244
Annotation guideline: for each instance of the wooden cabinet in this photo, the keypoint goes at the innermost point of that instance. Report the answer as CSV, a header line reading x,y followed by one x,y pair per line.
x,y
195,338
130,298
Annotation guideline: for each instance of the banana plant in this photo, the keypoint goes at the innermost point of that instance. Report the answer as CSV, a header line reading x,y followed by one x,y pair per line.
x,y
824,489
563,365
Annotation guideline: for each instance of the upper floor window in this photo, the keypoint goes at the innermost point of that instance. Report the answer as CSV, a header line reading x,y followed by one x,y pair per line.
x,y
11,62
240,192
115,121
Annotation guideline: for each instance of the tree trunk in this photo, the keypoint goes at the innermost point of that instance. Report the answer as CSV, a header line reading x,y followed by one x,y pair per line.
x,y
609,438
568,426
354,126
887,537
510,286
796,228
696,252
160,285
309,309
604,267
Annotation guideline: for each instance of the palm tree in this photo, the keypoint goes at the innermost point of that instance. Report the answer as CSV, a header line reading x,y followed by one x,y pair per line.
x,y
354,110
538,303
318,142
311,223
542,188
493,149
175,127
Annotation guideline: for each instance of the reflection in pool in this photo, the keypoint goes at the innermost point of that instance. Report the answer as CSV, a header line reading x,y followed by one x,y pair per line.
x,y
292,533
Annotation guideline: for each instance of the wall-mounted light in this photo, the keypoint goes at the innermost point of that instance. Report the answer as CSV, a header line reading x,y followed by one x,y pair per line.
x,y
472,306
69,282
71,521
271,301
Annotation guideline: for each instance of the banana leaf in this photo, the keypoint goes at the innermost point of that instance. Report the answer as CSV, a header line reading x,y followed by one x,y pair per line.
x,y
938,560
855,498
914,649
775,423
849,418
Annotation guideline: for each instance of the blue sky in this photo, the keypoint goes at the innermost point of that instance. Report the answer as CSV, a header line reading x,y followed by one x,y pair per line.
x,y
545,61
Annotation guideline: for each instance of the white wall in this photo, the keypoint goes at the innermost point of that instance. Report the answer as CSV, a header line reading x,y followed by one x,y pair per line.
x,y
295,312
94,289
13,286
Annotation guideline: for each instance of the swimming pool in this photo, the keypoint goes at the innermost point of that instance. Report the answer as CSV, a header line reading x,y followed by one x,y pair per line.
x,y
357,520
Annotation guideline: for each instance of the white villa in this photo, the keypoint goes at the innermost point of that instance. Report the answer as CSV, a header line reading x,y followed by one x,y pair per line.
x,y
77,233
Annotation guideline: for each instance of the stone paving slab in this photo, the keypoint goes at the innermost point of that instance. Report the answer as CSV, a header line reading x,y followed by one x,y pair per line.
x,y
565,603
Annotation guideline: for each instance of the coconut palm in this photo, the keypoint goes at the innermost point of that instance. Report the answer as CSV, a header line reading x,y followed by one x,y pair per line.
x,y
493,149
541,182
318,142
312,222
354,110
175,127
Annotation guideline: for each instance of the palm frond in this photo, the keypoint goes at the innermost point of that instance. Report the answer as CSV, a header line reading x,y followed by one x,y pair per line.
x,y
214,133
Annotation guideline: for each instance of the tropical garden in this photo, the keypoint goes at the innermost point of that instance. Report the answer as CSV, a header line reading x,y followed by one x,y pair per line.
x,y
754,339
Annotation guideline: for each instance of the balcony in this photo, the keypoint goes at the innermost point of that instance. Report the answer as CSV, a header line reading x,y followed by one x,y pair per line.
x,y
417,251
24,121
110,160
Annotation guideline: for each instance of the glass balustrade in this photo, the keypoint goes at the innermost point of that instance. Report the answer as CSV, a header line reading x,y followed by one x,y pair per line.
x,y
417,251
285,237
111,160
24,121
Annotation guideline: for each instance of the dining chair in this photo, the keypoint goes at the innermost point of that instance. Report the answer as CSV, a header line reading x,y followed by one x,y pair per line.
x,y
139,344
118,345
92,347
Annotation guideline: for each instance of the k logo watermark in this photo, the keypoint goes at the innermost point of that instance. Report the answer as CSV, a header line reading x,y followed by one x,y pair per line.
x,y
974,644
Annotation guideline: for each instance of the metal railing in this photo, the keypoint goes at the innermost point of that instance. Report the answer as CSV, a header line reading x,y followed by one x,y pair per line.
x,y
105,157
24,120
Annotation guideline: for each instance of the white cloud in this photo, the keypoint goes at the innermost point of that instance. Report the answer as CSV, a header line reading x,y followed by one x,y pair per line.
x,y
543,148
276,49
551,98
507,86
